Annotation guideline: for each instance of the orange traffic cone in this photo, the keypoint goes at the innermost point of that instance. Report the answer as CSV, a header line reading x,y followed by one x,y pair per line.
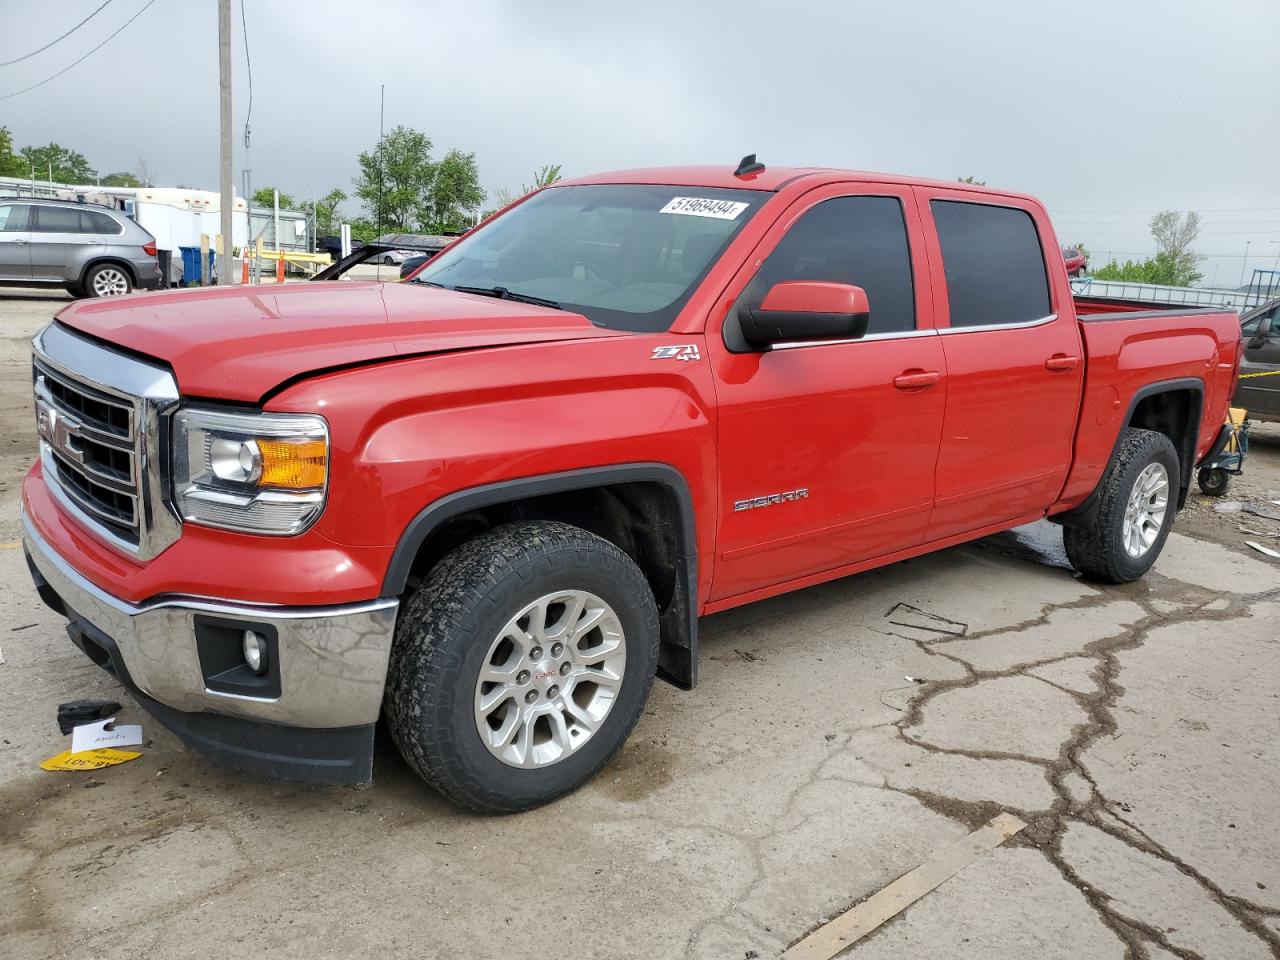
x,y
280,270
244,267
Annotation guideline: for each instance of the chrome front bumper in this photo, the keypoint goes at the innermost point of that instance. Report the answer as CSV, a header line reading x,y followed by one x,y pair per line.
x,y
332,660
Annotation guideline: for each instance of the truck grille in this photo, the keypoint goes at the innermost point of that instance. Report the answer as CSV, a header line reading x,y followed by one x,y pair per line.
x,y
102,421
93,448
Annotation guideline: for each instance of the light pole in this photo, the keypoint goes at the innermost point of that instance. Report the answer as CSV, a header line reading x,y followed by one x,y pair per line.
x,y
1245,262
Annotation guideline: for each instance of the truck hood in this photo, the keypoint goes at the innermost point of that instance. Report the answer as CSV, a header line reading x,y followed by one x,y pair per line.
x,y
237,343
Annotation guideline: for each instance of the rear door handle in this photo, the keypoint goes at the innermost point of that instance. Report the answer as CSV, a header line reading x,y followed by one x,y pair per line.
x,y
1060,361
916,379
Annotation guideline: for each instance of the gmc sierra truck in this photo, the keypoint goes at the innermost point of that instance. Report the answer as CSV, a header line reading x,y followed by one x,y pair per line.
x,y
490,503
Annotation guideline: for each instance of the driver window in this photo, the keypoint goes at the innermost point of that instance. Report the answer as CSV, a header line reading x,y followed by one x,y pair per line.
x,y
856,240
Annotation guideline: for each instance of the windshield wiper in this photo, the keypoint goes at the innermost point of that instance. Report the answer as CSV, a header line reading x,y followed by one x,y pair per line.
x,y
502,293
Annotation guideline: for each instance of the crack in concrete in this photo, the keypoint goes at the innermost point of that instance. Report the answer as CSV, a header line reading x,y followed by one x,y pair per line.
x,y
1047,828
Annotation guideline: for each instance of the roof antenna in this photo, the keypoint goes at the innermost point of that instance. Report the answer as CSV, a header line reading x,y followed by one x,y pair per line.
x,y
748,166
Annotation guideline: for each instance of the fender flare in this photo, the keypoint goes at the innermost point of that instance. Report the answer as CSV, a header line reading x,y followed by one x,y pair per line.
x,y
678,653
1086,513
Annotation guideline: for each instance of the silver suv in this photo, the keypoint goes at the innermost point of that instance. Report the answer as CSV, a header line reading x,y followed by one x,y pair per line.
x,y
91,251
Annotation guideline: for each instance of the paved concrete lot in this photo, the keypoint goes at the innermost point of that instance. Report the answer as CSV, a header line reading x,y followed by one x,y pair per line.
x,y
839,736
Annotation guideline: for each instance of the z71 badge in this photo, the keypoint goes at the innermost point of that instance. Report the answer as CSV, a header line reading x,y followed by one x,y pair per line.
x,y
683,351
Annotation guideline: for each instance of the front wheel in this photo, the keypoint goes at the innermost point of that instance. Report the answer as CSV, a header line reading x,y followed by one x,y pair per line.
x,y
521,665
1213,482
1139,497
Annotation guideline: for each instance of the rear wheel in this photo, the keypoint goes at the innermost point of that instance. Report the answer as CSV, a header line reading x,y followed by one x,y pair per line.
x,y
1139,498
1213,482
107,280
521,665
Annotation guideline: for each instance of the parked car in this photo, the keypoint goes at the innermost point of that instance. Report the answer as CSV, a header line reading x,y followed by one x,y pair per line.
x,y
412,264
1260,395
1077,263
88,250
392,248
490,504
332,245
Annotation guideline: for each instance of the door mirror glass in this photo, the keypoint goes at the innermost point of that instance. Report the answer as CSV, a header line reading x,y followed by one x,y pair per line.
x,y
800,310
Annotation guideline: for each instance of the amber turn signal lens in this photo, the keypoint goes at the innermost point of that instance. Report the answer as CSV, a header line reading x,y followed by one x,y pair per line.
x,y
293,464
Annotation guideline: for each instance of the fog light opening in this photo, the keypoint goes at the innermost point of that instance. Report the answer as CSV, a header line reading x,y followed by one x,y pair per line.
x,y
255,651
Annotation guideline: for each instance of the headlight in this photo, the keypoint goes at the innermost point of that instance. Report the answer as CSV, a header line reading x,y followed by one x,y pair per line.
x,y
255,472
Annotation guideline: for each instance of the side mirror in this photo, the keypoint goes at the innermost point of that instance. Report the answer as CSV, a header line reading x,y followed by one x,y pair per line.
x,y
1255,342
799,310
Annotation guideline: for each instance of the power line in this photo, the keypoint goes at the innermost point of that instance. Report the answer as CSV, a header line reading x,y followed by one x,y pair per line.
x,y
82,59
248,66
28,56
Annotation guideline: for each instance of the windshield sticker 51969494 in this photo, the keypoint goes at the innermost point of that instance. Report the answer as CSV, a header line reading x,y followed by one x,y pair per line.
x,y
703,207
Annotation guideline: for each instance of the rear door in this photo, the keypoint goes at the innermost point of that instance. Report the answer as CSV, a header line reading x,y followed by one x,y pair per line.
x,y
15,241
62,242
824,461
1014,360
1260,395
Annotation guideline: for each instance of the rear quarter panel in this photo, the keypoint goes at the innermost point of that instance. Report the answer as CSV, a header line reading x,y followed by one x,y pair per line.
x,y
1124,355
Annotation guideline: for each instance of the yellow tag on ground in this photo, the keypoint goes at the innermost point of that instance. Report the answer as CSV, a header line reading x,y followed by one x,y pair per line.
x,y
89,759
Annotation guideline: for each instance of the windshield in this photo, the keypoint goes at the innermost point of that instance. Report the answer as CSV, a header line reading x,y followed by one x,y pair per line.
x,y
626,256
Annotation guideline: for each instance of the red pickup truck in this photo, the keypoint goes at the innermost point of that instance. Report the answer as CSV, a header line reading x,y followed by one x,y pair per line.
x,y
491,503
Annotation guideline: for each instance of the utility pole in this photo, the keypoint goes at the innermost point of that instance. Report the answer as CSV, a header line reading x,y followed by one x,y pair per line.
x,y
225,185
382,171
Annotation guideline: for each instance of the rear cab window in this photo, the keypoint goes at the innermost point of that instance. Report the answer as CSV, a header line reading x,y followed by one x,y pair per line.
x,y
994,264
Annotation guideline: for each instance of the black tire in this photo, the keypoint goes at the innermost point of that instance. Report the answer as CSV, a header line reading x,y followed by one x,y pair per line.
x,y
1099,552
1213,482
443,637
92,274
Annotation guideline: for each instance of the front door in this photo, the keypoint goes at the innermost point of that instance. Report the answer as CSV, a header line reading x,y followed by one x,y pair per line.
x,y
824,460
1015,366
15,242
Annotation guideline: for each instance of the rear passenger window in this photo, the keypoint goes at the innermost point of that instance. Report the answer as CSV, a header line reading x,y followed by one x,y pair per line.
x,y
993,262
857,240
57,220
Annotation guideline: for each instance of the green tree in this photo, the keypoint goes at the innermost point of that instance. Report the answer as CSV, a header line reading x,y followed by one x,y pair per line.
x,y
67,165
976,182
265,197
10,164
121,179
395,180
1175,262
1174,233
327,218
547,175
455,194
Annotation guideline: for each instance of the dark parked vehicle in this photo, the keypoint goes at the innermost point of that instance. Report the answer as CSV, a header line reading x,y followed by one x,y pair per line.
x,y
89,250
390,245
1260,395
333,246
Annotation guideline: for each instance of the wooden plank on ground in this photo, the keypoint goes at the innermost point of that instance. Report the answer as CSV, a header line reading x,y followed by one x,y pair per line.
x,y
856,922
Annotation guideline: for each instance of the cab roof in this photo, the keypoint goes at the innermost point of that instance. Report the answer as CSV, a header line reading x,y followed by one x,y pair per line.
x,y
770,179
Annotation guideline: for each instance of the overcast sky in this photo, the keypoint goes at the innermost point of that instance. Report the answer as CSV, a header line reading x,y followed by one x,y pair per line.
x,y
1106,110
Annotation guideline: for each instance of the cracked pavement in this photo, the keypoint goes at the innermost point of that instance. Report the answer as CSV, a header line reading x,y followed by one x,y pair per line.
x,y
1135,729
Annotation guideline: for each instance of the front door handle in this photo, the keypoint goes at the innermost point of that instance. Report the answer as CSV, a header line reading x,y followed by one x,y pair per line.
x,y
1060,361
916,379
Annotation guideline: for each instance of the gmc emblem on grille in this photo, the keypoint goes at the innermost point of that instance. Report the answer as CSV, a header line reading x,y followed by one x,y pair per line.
x,y
59,431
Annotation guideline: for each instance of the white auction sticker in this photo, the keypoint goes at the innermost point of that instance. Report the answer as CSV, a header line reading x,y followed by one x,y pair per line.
x,y
703,207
